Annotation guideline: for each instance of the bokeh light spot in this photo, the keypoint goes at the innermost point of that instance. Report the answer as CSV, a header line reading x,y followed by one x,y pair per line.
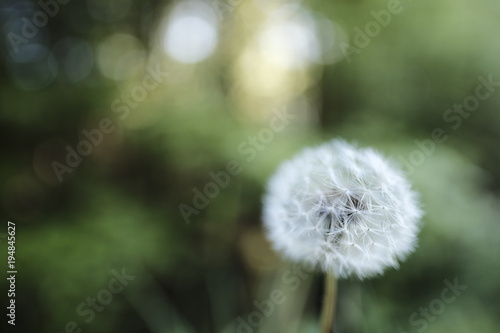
x,y
191,32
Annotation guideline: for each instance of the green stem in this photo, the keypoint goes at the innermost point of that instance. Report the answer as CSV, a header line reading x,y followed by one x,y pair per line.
x,y
328,311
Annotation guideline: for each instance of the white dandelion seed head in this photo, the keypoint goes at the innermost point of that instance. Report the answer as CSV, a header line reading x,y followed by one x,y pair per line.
x,y
345,209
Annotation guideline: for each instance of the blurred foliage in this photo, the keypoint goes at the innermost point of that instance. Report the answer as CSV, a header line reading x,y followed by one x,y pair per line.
x,y
231,66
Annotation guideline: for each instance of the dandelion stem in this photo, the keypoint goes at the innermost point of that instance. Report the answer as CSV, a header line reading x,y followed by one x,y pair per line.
x,y
329,300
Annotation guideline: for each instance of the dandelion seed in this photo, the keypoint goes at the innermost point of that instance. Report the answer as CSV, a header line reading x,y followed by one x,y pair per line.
x,y
345,209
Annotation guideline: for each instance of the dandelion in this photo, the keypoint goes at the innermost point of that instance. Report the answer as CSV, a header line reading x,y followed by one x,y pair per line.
x,y
347,210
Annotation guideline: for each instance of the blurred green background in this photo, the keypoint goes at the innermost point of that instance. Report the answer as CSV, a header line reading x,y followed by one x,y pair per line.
x,y
189,86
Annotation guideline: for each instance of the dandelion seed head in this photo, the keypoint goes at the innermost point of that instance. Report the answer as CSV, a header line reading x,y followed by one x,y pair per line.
x,y
344,209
